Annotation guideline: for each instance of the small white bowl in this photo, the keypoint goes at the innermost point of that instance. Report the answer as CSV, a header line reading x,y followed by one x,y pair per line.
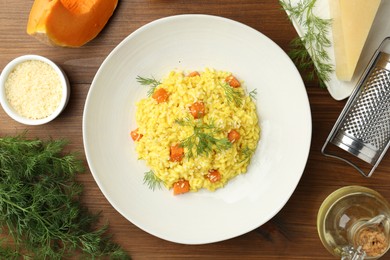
x,y
11,111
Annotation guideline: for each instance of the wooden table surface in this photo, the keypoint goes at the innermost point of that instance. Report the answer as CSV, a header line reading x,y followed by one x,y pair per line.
x,y
292,233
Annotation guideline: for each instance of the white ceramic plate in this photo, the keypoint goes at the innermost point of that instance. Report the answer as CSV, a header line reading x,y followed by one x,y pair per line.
x,y
379,31
193,42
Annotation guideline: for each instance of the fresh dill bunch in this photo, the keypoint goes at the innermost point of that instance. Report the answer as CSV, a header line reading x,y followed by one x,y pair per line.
x,y
231,94
40,212
150,82
202,139
309,51
152,180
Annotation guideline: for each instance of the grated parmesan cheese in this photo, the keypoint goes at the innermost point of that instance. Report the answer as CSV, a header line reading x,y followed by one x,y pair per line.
x,y
34,89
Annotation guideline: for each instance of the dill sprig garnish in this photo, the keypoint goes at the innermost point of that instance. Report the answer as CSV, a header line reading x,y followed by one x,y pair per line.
x,y
152,180
247,154
40,213
150,82
231,94
202,140
253,94
309,51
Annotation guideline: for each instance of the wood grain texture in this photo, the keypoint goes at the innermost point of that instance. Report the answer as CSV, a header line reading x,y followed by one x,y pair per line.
x,y
292,233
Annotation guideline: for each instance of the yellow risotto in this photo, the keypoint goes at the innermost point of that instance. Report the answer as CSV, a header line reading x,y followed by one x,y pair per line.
x,y
196,130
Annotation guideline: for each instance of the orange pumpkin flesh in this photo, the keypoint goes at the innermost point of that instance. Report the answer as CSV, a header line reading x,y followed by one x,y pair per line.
x,y
69,23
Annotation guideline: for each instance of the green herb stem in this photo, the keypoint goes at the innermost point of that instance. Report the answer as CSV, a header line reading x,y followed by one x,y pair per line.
x,y
152,181
231,94
253,94
309,51
203,138
149,82
39,207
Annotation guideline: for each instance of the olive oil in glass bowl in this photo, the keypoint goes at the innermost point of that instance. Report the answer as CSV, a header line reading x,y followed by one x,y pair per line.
x,y
354,223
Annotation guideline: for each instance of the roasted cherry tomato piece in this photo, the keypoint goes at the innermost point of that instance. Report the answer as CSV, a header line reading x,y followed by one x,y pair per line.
x,y
233,81
161,95
233,136
180,187
214,176
197,109
193,74
176,153
135,135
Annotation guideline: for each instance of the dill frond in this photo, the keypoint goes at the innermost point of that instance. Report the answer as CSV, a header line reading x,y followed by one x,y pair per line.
x,y
150,82
152,181
231,94
309,51
246,154
185,122
203,139
253,94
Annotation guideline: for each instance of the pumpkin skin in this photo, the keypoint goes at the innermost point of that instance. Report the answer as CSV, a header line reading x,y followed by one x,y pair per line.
x,y
69,23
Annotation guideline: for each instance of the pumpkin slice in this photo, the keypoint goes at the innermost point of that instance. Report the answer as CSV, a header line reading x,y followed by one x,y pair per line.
x,y
69,23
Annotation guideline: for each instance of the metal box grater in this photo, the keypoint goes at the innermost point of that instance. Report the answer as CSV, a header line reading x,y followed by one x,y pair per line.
x,y
363,127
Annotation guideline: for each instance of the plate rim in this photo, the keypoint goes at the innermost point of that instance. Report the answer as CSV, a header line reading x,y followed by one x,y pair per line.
x,y
113,52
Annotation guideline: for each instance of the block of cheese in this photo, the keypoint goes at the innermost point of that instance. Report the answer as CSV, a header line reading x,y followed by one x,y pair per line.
x,y
351,23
